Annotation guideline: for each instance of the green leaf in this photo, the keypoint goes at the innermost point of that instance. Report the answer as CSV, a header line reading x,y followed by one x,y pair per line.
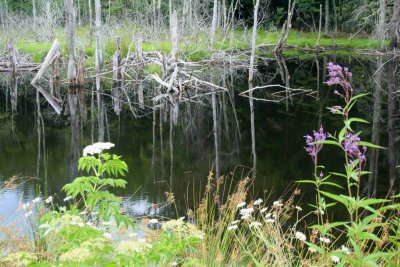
x,y
367,144
328,142
306,182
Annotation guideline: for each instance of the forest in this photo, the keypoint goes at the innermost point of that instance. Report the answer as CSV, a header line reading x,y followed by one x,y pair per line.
x,y
199,133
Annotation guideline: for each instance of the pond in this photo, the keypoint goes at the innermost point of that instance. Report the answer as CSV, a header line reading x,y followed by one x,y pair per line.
x,y
171,145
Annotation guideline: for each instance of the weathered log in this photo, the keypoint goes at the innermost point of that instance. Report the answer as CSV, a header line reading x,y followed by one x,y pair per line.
x,y
50,57
50,99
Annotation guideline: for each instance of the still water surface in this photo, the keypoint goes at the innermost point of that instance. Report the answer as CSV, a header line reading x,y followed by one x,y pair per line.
x,y
173,148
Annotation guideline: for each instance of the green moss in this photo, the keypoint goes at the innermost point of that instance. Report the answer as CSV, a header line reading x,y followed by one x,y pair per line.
x,y
38,51
196,48
153,69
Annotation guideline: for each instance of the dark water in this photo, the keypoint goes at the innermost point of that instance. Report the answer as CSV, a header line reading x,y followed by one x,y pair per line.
x,y
172,147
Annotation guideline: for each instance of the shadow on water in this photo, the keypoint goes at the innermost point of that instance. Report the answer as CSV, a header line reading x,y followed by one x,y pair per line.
x,y
171,143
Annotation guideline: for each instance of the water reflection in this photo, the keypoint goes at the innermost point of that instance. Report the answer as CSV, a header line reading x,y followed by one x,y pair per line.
x,y
171,143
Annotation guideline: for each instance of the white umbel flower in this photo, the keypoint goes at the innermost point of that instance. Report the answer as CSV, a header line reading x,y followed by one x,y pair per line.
x,y
232,227
255,224
153,221
325,240
258,202
277,204
36,200
246,211
335,259
241,204
263,210
300,236
345,249
97,148
49,200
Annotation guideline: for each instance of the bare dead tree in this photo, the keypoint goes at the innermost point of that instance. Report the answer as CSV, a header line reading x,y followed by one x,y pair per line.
x,y
214,23
382,20
326,29
99,66
319,28
287,25
395,26
253,41
34,12
70,30
335,16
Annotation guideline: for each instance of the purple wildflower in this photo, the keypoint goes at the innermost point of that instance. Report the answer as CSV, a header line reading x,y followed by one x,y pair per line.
x,y
312,148
351,145
339,76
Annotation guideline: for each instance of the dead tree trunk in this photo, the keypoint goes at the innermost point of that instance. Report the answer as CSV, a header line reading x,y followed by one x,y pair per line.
x,y
382,20
34,12
253,41
285,28
393,85
117,78
81,82
326,30
139,71
395,26
214,23
174,36
55,81
52,55
319,28
376,118
99,65
13,58
335,16
70,14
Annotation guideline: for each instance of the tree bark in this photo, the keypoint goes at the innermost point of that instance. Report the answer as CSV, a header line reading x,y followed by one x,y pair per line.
x,y
376,118
326,30
99,65
253,41
395,26
174,36
70,13
34,12
393,85
382,19
214,23
335,16
319,28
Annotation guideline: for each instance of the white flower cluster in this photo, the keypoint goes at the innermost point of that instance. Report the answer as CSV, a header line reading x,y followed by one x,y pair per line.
x,y
246,213
277,204
300,236
97,148
49,200
258,202
241,205
325,240
255,224
153,221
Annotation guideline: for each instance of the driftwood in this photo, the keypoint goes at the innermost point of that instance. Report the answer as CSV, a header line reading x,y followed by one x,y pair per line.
x,y
15,63
50,99
53,53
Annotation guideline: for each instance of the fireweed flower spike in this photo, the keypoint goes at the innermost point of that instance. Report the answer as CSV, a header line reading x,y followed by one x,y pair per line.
x,y
351,145
312,148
